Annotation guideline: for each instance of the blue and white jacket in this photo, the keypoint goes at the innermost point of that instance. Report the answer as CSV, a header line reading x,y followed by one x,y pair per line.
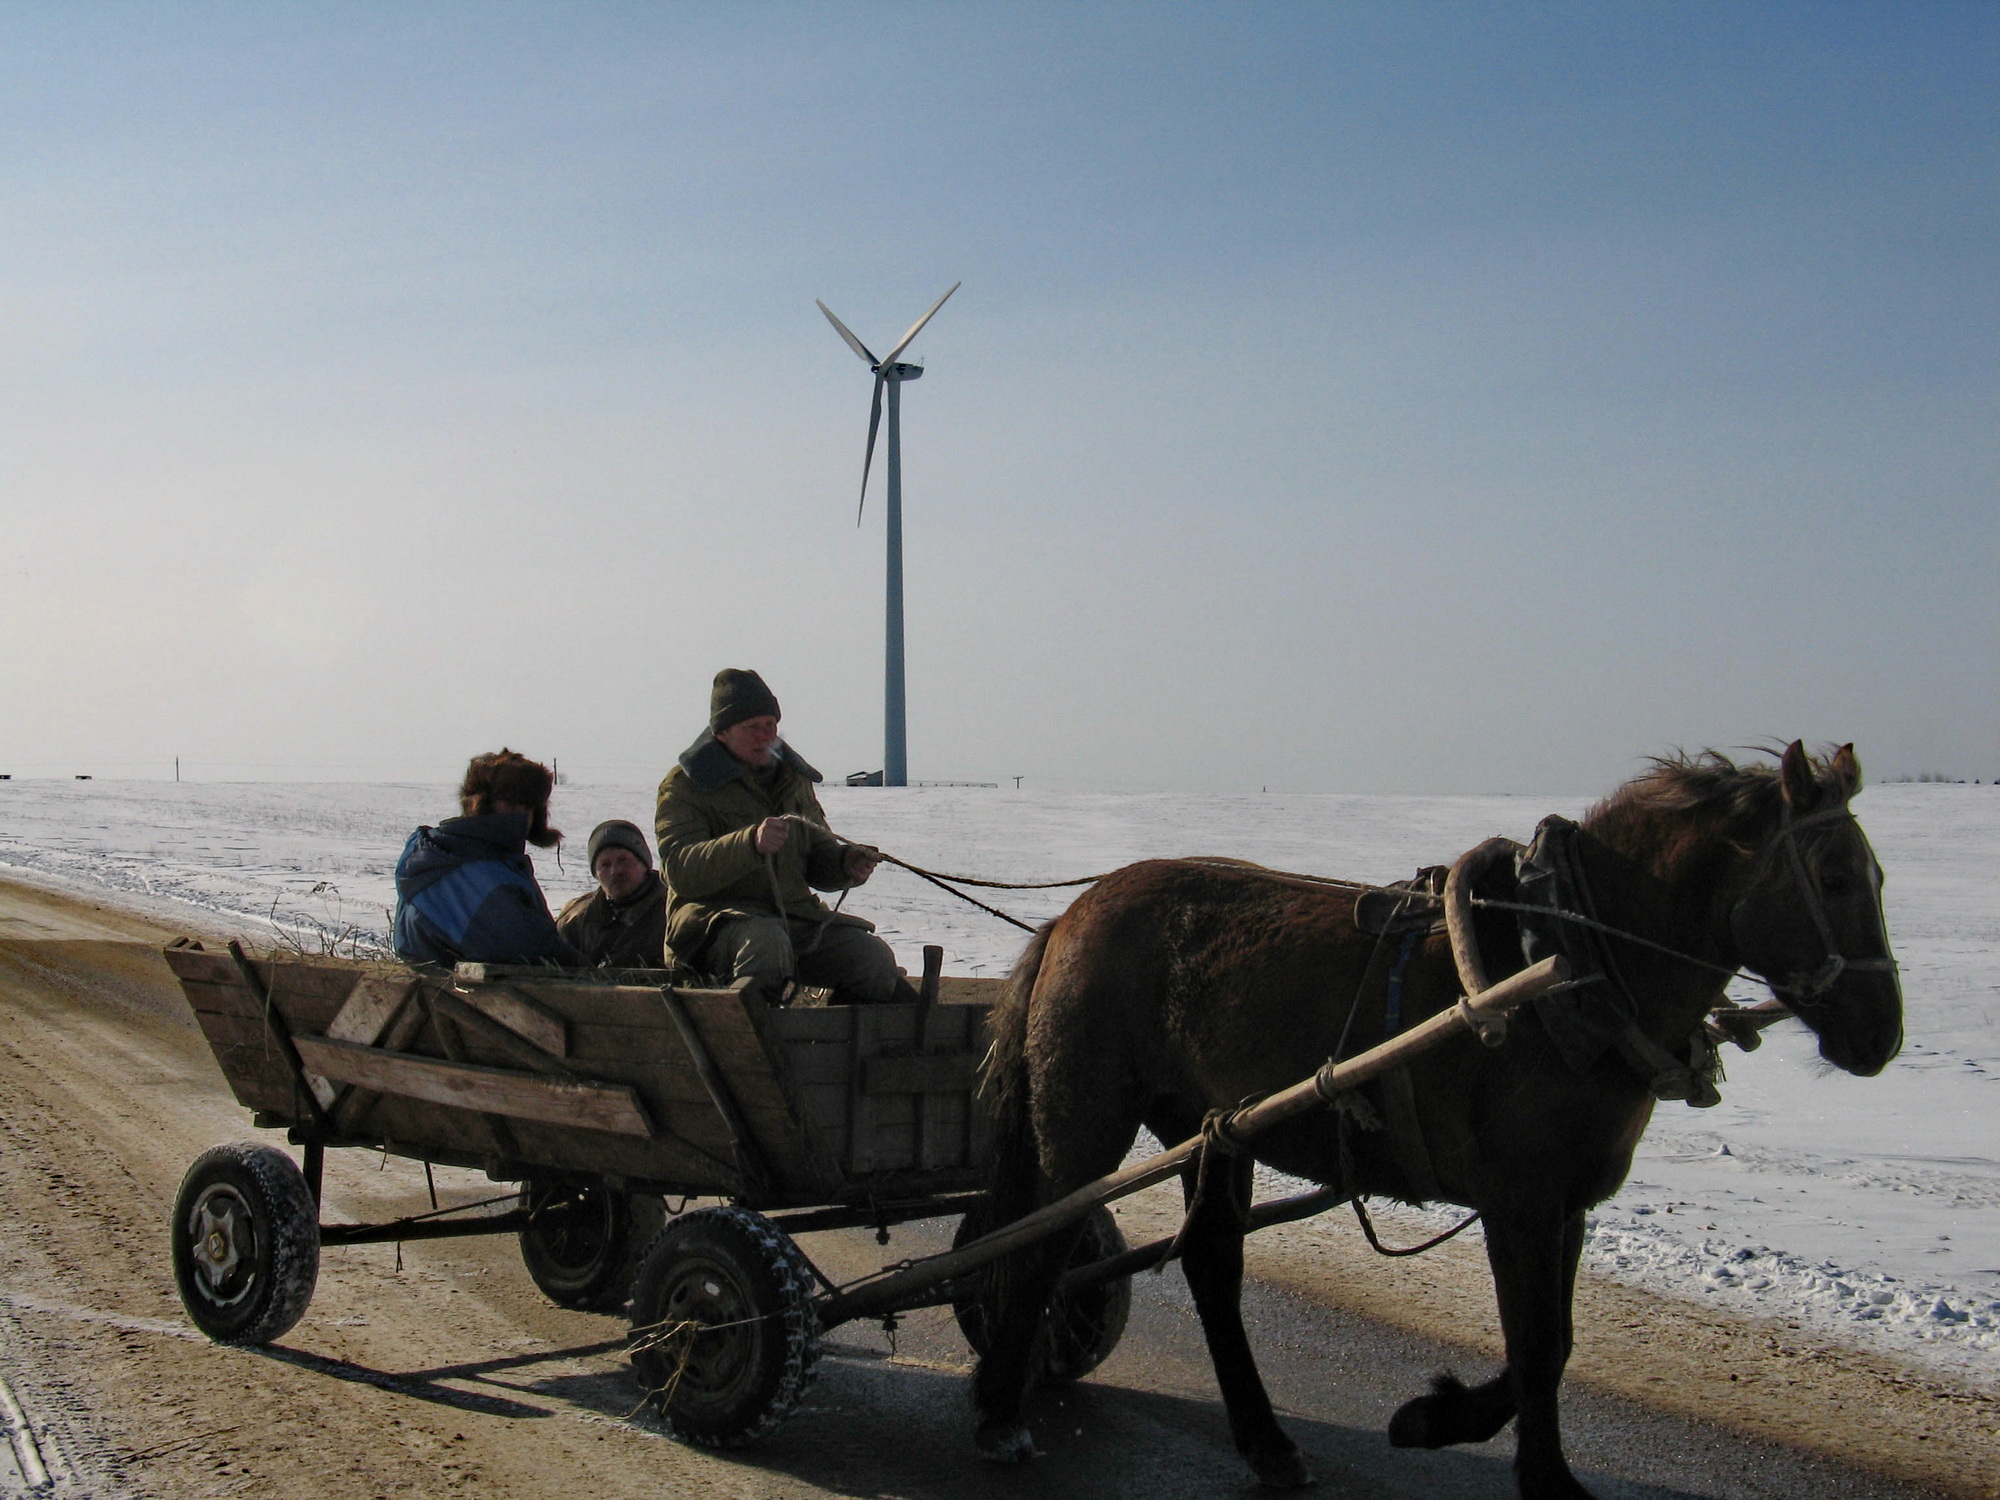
x,y
466,893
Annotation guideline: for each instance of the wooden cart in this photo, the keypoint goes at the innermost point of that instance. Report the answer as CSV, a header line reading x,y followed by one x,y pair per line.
x,y
600,1094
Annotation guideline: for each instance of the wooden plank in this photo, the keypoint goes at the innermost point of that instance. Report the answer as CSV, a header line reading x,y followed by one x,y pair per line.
x,y
309,995
192,966
603,1004
371,1005
931,1074
736,1028
481,1038
826,1105
615,1108
819,1062
367,1012
528,1019
940,1136
230,999
398,1036
863,1039
967,990
819,1023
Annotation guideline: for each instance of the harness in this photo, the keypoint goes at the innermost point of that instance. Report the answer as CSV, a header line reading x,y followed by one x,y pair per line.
x,y
1597,1011
1805,987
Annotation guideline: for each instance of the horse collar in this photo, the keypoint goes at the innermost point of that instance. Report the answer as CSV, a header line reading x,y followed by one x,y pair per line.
x,y
1597,1012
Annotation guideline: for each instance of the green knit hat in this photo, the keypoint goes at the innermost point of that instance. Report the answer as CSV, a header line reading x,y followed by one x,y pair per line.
x,y
738,695
619,834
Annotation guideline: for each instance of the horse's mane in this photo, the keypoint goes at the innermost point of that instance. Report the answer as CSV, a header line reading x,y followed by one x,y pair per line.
x,y
1701,790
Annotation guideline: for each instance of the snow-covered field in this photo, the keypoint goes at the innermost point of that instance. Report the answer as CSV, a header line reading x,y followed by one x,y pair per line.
x,y
1867,1208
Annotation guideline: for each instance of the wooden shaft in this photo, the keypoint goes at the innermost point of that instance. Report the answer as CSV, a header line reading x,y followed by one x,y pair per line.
x,y
1312,1093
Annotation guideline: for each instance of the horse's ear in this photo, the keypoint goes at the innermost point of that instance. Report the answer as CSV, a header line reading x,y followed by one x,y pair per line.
x,y
1795,774
1845,771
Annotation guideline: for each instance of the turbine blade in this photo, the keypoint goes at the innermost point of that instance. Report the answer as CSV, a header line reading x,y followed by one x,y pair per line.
x,y
868,459
841,328
918,327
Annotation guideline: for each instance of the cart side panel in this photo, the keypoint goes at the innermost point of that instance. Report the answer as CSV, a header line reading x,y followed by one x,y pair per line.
x,y
628,1039
310,992
232,1021
746,1045
627,1034
820,1052
885,1111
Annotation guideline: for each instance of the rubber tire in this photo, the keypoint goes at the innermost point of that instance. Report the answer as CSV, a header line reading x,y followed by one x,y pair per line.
x,y
588,1265
726,1265
1082,1327
253,1199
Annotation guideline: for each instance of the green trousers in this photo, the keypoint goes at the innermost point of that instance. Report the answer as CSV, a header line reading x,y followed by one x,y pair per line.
x,y
852,962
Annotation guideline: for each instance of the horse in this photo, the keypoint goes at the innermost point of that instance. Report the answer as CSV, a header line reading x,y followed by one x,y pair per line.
x,y
1174,990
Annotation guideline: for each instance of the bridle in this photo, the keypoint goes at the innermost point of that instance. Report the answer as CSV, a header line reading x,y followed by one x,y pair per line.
x,y
1805,986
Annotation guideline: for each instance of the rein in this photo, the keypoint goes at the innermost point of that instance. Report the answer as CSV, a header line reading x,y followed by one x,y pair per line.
x,y
1806,987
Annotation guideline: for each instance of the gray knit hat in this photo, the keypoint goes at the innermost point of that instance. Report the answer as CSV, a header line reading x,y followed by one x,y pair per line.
x,y
619,834
738,695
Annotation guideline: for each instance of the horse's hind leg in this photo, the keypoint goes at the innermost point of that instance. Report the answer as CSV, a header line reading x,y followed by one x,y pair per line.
x,y
1212,1258
1004,1378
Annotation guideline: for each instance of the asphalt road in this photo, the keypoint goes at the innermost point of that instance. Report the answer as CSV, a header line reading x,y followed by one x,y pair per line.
x,y
439,1370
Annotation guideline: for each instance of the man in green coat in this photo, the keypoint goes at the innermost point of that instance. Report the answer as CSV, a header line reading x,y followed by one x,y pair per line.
x,y
743,846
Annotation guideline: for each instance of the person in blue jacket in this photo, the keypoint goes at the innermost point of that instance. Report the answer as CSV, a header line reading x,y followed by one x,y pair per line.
x,y
466,891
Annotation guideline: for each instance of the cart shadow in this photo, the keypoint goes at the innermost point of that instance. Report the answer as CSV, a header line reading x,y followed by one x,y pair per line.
x,y
424,1385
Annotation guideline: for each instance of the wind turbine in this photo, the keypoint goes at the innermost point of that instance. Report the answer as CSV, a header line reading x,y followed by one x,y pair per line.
x,y
890,375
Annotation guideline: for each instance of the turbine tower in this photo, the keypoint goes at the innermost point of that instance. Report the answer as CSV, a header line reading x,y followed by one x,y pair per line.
x,y
890,375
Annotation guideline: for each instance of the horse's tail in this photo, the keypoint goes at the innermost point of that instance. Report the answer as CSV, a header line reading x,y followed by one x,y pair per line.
x,y
1004,1083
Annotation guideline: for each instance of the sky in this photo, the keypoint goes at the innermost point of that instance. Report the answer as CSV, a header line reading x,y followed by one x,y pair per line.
x,y
1346,398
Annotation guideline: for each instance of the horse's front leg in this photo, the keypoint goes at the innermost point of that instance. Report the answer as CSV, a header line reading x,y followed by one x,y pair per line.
x,y
1534,1259
1212,1258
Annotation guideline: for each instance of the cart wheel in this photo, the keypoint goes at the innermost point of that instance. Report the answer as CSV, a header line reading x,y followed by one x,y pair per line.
x,y
246,1243
724,1334
586,1239
1083,1326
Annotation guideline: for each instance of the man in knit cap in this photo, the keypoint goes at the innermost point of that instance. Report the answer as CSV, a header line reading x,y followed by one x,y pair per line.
x,y
744,845
623,923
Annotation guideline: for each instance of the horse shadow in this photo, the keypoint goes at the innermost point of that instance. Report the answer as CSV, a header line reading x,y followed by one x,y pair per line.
x,y
874,1425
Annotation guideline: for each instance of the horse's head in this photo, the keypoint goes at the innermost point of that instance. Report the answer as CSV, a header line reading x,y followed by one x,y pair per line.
x,y
1809,918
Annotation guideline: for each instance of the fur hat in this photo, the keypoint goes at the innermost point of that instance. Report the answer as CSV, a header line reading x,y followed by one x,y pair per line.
x,y
509,776
738,695
619,834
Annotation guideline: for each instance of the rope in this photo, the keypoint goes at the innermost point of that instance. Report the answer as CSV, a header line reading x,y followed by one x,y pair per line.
x,y
990,885
939,882
1368,1229
950,883
1591,922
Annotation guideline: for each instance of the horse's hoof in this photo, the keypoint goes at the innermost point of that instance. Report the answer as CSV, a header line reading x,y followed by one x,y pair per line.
x,y
1416,1425
1283,1471
1005,1443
